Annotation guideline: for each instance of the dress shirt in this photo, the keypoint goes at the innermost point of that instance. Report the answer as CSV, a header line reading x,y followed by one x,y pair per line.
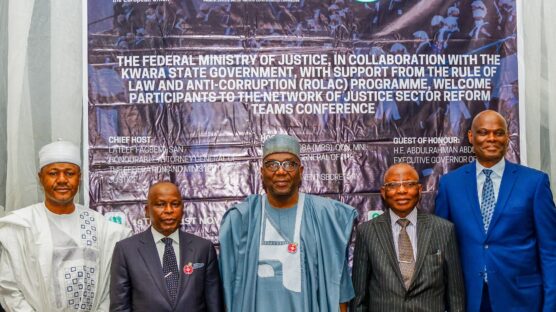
x,y
496,177
411,230
160,244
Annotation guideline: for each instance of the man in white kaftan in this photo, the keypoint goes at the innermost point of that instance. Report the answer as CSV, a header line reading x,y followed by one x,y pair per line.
x,y
55,256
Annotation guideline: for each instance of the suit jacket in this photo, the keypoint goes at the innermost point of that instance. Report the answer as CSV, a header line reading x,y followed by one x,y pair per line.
x,y
519,249
437,283
137,282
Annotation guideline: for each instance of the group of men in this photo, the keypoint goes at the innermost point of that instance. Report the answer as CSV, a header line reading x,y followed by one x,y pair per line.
x,y
288,251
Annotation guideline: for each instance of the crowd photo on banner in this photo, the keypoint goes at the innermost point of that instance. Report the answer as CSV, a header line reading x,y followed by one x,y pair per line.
x,y
298,155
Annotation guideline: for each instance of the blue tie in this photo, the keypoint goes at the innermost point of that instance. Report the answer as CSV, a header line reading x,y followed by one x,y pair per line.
x,y
488,201
170,268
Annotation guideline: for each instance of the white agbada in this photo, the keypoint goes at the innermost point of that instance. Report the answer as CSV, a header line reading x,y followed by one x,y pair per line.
x,y
48,267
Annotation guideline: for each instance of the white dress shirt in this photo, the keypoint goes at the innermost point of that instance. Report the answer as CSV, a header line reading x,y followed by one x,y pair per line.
x,y
495,176
411,230
160,244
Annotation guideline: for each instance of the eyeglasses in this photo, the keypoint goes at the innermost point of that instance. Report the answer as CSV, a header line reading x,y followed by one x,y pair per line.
x,y
390,186
274,165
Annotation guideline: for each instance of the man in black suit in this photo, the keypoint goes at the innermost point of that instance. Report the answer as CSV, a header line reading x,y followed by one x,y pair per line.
x,y
405,259
146,274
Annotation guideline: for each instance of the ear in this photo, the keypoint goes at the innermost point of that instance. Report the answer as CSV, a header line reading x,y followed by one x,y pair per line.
x,y
383,193
470,136
40,175
420,192
147,212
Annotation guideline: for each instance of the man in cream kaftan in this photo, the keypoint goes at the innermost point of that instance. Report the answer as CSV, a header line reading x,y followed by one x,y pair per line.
x,y
55,255
50,264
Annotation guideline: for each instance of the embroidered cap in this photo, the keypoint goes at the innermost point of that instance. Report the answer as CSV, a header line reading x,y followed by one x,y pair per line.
x,y
281,143
59,152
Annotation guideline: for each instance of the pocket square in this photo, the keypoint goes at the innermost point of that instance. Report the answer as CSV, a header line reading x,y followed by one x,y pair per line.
x,y
198,265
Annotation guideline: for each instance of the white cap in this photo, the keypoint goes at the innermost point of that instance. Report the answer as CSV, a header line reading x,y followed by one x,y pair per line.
x,y
421,35
398,47
478,4
436,20
59,152
453,9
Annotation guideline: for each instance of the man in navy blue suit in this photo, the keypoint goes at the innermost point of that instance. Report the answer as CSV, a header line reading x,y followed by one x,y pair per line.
x,y
505,223
163,268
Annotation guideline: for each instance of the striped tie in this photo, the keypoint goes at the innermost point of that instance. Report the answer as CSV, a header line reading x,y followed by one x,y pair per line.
x,y
406,260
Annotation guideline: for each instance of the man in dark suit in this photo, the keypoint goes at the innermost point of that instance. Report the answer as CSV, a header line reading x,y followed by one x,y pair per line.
x,y
505,222
145,272
405,259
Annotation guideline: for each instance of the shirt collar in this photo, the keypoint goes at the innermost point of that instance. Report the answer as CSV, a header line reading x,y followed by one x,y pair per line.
x,y
158,236
497,169
412,217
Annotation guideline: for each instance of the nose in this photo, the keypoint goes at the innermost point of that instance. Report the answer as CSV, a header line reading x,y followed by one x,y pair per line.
x,y
62,177
402,189
168,207
491,136
281,170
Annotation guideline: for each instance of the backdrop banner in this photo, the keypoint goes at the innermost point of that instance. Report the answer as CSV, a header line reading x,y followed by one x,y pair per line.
x,y
187,91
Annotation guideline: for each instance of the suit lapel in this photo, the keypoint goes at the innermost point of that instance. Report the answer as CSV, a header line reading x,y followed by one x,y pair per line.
x,y
423,241
508,181
471,190
185,250
384,233
148,252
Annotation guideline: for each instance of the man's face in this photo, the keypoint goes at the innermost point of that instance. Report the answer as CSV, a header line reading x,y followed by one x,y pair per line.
x,y
489,137
401,189
60,182
164,208
284,182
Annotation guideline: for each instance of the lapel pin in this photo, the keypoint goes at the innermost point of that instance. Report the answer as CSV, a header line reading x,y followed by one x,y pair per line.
x,y
188,269
292,248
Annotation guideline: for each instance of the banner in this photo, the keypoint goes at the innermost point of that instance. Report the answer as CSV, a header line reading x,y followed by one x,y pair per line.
x,y
187,91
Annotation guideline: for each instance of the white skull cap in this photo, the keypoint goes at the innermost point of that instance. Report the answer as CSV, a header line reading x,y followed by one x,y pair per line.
x,y
59,152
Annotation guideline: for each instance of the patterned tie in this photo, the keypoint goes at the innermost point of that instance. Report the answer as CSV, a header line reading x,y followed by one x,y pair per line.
x,y
488,202
406,261
170,268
